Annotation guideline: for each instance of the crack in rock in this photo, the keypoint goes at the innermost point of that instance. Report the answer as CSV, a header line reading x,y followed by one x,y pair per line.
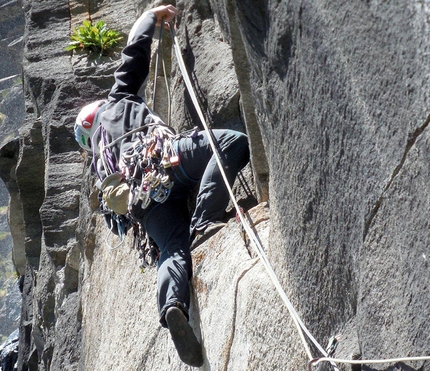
x,y
410,143
229,343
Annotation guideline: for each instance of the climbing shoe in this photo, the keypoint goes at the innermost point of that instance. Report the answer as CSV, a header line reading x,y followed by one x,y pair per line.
x,y
205,234
186,343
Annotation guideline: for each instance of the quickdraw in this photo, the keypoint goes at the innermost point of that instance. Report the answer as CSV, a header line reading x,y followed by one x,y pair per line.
x,y
145,165
147,248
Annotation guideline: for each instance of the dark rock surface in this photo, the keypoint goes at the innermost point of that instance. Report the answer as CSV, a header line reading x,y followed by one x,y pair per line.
x,y
10,308
9,352
11,117
334,96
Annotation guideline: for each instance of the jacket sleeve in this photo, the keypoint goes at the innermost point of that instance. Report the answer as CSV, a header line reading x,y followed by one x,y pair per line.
x,y
136,57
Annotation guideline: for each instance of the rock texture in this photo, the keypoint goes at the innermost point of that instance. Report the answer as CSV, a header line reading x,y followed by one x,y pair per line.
x,y
334,97
11,118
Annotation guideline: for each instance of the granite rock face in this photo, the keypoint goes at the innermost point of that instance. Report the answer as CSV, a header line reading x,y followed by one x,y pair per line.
x,y
334,98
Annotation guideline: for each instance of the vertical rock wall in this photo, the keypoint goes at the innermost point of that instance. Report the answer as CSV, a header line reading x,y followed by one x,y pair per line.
x,y
333,96
341,91
11,118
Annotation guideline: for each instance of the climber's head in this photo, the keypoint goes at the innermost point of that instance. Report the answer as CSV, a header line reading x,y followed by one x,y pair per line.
x,y
87,124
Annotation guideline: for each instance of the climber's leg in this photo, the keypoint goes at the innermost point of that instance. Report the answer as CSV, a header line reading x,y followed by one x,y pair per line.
x,y
168,225
199,162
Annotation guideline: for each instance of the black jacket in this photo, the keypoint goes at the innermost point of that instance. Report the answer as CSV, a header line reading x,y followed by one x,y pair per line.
x,y
126,110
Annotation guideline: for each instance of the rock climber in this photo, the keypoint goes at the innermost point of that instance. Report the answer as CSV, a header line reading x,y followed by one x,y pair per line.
x,y
168,223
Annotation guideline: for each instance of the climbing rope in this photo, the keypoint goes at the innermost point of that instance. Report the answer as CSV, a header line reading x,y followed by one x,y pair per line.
x,y
316,361
258,247
160,55
254,240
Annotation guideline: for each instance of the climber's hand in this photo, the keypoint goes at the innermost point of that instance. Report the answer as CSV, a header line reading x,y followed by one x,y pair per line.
x,y
168,12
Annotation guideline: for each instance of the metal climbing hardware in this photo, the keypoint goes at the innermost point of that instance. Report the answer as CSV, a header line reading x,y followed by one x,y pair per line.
x,y
332,345
145,166
146,246
142,174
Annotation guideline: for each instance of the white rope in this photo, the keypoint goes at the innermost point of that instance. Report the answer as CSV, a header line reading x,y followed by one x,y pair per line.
x,y
256,244
315,362
113,247
160,53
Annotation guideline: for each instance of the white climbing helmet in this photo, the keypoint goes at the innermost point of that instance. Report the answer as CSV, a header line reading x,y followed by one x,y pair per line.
x,y
87,124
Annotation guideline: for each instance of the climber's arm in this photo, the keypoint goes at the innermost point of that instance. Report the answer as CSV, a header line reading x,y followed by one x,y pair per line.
x,y
168,12
136,56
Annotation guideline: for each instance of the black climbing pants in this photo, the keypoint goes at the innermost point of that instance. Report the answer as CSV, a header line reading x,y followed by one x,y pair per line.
x,y
170,223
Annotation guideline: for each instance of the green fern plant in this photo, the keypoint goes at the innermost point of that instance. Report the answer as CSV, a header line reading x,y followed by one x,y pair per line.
x,y
93,38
